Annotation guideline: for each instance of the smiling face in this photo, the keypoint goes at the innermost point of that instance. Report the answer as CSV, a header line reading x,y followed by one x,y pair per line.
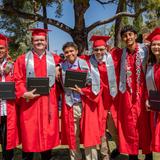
x,y
129,38
155,48
99,52
39,43
3,51
70,54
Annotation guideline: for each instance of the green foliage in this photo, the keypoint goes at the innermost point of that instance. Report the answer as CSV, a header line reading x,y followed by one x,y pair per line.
x,y
152,16
16,28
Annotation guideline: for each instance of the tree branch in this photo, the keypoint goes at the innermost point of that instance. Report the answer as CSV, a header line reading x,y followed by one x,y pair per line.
x,y
120,14
35,17
108,2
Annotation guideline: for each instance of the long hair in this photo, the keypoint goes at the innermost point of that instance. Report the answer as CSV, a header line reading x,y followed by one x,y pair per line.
x,y
152,58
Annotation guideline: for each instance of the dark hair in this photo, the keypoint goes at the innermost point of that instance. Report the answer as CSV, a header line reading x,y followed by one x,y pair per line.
x,y
128,28
152,58
70,44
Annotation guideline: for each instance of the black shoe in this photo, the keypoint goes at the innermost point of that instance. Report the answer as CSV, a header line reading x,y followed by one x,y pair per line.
x,y
133,157
148,156
115,153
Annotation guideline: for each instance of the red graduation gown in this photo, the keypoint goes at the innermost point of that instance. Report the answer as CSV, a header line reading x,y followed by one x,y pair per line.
x,y
38,131
106,102
12,119
155,116
89,127
133,119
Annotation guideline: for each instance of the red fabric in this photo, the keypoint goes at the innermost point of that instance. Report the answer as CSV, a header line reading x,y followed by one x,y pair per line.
x,y
155,116
37,131
116,55
39,32
89,127
4,40
12,119
106,102
99,40
155,35
133,119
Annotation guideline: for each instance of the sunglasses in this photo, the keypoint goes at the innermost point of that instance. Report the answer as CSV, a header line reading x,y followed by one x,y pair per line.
x,y
99,49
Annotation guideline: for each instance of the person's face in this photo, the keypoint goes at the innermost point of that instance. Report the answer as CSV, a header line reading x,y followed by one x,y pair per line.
x,y
99,52
39,42
3,51
70,54
155,47
129,38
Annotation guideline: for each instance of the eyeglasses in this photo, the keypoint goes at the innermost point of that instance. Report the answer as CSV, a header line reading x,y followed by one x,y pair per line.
x,y
99,49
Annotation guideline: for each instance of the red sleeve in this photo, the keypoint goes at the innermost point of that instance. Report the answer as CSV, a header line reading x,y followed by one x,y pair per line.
x,y
20,76
57,59
90,95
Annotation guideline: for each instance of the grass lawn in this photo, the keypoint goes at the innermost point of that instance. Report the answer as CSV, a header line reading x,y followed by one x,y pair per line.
x,y
62,153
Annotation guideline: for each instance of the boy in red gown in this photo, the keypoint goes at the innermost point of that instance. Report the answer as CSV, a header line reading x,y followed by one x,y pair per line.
x,y
8,121
38,113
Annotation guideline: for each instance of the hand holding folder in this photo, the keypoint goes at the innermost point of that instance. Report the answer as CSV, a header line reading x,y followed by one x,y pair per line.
x,y
75,78
41,84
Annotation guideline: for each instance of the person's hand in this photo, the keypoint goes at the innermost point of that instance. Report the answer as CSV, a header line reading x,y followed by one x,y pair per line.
x,y
30,95
76,89
148,106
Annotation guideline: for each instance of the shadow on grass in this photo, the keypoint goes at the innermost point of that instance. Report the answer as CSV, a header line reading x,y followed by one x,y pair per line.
x,y
61,154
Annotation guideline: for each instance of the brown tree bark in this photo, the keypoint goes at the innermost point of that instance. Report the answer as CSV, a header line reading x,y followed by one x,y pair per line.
x,y
118,23
79,34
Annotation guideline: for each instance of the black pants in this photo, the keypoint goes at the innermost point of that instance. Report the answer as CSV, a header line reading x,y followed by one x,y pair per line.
x,y
46,155
133,157
147,157
6,154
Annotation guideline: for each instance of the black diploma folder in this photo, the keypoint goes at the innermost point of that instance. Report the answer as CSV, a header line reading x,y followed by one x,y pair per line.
x,y
154,100
7,90
73,78
41,84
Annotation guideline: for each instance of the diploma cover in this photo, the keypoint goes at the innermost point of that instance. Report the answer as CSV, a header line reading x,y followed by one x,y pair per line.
x,y
41,84
73,78
7,90
154,100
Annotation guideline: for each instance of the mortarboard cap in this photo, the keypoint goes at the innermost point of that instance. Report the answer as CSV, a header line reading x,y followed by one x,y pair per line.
x,y
99,40
4,40
155,35
39,31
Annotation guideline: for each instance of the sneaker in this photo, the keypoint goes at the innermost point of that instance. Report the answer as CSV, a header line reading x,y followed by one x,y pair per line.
x,y
115,153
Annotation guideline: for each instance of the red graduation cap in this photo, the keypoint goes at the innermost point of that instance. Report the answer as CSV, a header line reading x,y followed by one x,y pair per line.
x,y
155,35
4,40
39,31
99,40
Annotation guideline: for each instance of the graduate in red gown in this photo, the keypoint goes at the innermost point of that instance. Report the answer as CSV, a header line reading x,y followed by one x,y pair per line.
x,y
133,118
8,122
153,83
79,109
38,114
104,70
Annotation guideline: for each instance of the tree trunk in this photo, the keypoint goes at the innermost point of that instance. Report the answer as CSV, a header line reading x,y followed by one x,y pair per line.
x,y
80,38
45,24
118,23
138,20
79,33
45,15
